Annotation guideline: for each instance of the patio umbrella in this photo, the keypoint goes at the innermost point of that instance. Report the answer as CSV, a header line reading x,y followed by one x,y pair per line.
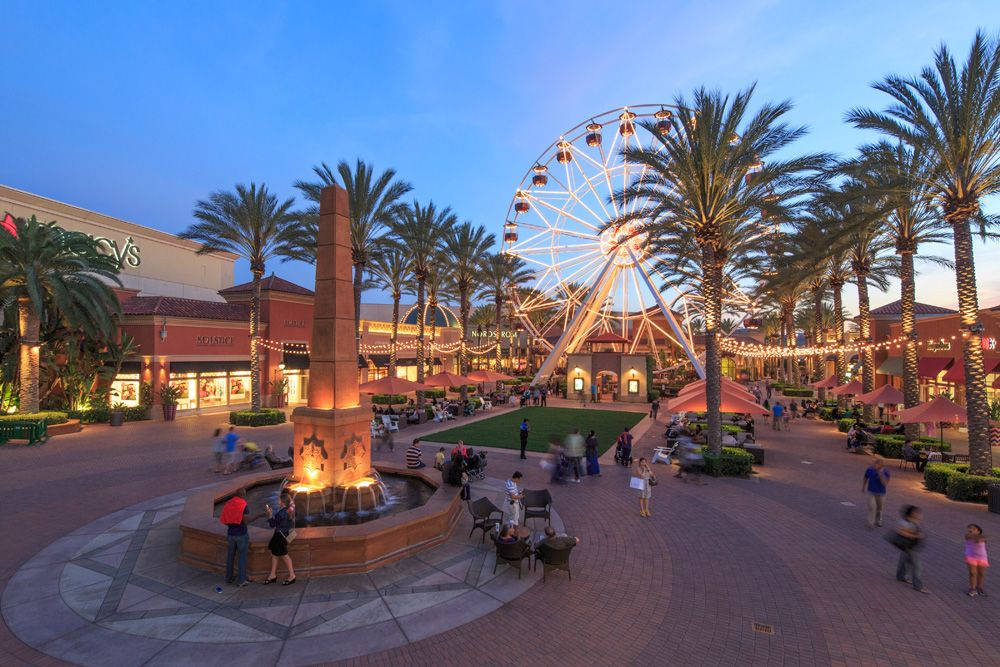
x,y
731,402
934,412
884,395
828,383
488,376
727,385
448,380
392,385
852,388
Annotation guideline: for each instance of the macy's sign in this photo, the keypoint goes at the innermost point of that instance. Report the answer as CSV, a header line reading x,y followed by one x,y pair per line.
x,y
127,253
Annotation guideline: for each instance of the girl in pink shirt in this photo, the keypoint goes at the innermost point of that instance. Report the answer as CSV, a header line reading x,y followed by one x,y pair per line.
x,y
975,557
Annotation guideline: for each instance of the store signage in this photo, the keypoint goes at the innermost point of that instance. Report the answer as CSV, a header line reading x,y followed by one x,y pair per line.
x,y
938,347
295,324
213,340
127,254
988,343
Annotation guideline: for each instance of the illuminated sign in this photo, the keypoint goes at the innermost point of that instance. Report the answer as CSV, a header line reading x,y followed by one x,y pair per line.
x,y
939,347
988,343
127,254
213,340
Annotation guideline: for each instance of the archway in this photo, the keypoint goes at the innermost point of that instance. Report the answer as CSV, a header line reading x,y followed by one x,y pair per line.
x,y
607,385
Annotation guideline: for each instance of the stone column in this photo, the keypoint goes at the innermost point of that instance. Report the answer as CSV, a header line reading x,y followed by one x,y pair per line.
x,y
332,439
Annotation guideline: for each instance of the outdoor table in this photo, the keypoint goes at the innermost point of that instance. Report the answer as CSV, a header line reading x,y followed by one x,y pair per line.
x,y
932,456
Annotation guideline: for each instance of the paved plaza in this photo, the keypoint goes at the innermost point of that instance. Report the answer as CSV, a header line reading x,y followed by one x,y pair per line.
x,y
88,565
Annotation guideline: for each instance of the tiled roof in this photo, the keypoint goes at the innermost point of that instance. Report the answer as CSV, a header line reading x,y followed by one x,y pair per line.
x,y
271,282
896,308
177,307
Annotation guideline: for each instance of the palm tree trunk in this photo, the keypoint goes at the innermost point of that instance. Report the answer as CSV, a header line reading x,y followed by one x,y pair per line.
x,y
432,307
976,405
838,325
359,277
498,305
710,288
255,341
865,326
29,325
420,337
911,383
395,334
463,354
793,361
817,334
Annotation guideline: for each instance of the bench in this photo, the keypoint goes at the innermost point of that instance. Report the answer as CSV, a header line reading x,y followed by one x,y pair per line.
x,y
756,450
32,431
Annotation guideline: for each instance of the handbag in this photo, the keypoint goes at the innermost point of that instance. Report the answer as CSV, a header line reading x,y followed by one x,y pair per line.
x,y
901,542
652,480
290,535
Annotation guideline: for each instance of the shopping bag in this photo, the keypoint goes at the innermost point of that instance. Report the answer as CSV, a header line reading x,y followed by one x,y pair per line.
x,y
636,483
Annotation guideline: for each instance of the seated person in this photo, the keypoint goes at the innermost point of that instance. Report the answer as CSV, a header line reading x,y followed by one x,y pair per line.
x,y
728,439
919,459
459,449
273,459
852,436
439,459
413,416
413,455
473,460
508,535
554,541
700,437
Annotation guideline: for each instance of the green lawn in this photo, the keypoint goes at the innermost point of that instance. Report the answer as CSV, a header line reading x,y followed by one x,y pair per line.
x,y
502,430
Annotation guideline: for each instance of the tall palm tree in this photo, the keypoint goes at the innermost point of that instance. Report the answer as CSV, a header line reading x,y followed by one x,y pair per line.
x,y
46,269
374,202
708,182
952,116
481,319
438,287
501,276
250,222
393,272
466,248
419,230
896,172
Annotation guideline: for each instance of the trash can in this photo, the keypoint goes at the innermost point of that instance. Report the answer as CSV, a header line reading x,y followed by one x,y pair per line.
x,y
994,498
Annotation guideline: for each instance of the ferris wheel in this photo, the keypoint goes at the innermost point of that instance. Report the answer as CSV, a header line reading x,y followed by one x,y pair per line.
x,y
592,278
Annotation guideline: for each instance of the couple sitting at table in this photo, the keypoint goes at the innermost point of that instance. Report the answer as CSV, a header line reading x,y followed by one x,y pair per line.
x,y
509,535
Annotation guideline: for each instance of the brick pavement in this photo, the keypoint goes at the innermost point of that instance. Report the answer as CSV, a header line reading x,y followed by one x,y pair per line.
x,y
682,586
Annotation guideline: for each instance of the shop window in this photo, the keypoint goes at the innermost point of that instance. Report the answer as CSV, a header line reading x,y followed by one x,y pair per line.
x,y
633,386
577,384
239,387
188,384
211,390
125,389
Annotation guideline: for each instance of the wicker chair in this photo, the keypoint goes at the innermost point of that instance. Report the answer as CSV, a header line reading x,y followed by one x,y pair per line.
x,y
482,512
555,559
512,553
537,505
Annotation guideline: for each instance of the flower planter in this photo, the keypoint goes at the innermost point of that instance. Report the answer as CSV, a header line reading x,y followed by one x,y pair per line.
x,y
117,418
169,412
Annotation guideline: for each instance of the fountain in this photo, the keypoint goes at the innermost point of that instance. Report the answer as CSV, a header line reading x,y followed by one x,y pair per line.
x,y
333,476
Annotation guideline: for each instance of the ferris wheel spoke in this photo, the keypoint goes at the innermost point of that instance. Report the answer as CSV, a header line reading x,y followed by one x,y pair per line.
x,y
569,215
571,193
654,144
597,196
583,246
559,232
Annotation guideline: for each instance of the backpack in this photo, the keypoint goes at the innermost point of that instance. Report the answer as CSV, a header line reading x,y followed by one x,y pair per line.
x,y
232,511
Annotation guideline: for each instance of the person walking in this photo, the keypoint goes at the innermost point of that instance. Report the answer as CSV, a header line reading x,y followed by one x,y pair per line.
x,y
235,516
574,452
593,465
777,413
976,559
654,407
283,522
645,473
218,450
545,394
513,498
593,392
523,433
232,453
909,540
874,486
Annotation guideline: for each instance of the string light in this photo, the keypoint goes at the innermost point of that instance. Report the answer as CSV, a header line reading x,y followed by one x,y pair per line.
x,y
761,351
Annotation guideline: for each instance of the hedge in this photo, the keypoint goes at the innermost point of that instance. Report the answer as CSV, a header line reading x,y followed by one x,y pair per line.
x,y
798,391
891,446
826,414
389,399
953,480
844,425
265,417
726,428
103,415
50,416
732,462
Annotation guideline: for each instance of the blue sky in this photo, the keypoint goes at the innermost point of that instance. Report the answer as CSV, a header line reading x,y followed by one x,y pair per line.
x,y
139,109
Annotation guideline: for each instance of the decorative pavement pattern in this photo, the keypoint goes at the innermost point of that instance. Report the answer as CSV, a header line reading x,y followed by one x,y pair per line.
x,y
113,592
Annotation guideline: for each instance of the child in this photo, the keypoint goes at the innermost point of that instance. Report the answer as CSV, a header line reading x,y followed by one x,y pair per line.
x,y
975,557
439,459
218,447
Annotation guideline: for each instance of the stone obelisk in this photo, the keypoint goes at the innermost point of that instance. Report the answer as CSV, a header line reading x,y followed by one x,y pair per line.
x,y
332,441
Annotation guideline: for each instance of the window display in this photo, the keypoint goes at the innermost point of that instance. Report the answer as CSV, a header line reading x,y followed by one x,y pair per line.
x,y
187,383
239,387
211,390
125,389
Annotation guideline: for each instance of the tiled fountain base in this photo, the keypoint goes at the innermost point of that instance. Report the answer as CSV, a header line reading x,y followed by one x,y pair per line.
x,y
113,592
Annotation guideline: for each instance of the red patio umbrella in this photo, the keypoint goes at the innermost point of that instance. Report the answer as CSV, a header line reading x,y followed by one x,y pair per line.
x,y
488,376
884,395
727,385
852,388
698,402
828,383
934,412
448,380
392,385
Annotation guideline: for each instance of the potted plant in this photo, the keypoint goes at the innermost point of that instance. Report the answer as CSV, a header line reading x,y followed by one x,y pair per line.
x,y
169,395
279,389
118,413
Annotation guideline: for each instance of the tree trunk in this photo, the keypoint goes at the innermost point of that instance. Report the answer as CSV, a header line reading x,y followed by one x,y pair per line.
x,y
396,296
255,341
793,361
463,353
976,405
818,370
908,325
866,353
498,304
432,307
359,279
420,337
711,284
838,334
29,325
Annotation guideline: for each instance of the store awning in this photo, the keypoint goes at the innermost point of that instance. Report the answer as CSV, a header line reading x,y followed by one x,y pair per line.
x,y
956,373
295,362
929,367
130,367
891,366
208,366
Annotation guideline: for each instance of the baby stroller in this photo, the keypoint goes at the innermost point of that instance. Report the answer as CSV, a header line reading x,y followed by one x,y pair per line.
x,y
252,458
475,465
623,454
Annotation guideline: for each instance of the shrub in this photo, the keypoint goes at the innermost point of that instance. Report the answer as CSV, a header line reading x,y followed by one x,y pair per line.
x,y
732,462
434,393
726,428
389,399
938,476
265,417
50,417
137,413
99,415
798,391
891,445
969,488
844,425
826,414
653,394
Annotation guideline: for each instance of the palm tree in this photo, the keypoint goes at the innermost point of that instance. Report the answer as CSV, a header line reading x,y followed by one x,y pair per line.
x,y
374,203
896,172
501,276
481,319
708,184
467,248
438,288
44,268
952,116
419,230
393,272
252,223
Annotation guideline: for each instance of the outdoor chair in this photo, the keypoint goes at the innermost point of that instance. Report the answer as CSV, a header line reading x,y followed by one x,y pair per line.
x,y
554,559
512,553
389,424
482,512
537,505
663,454
904,459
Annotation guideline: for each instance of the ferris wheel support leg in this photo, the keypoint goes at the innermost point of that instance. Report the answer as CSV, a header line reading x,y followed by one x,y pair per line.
x,y
671,320
581,322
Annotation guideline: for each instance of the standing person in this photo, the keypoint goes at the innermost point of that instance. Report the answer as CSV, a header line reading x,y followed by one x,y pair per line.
x,y
574,452
593,391
235,515
232,451
777,412
874,486
976,559
593,465
785,416
794,409
545,394
770,388
654,407
514,495
909,540
523,433
218,449
413,454
645,473
283,522
623,448
536,396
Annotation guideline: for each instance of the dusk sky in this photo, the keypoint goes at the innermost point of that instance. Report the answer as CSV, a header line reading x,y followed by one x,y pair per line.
x,y
139,110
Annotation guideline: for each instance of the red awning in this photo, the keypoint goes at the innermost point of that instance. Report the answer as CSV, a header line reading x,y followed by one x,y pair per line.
x,y
956,373
929,367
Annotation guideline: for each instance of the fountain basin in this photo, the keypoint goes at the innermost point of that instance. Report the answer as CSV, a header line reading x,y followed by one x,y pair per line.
x,y
329,549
